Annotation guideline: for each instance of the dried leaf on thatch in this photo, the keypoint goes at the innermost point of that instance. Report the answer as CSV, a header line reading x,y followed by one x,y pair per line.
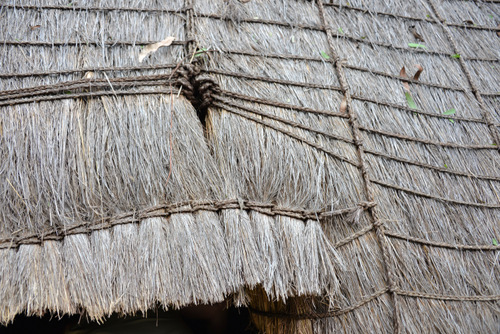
x,y
406,86
417,36
151,48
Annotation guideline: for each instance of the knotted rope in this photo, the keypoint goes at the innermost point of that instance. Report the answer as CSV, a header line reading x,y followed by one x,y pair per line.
x,y
199,88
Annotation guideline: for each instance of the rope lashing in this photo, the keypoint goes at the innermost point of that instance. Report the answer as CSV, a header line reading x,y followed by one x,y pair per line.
x,y
199,88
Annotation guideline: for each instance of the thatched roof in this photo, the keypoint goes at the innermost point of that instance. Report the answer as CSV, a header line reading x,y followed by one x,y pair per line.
x,y
323,175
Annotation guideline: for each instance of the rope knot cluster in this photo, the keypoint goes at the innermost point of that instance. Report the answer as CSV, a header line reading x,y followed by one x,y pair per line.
x,y
198,87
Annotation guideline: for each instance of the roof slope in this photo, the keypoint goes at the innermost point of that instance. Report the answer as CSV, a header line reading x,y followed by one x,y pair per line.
x,y
320,169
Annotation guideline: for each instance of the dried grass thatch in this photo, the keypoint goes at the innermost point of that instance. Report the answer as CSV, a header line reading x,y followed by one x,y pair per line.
x,y
313,191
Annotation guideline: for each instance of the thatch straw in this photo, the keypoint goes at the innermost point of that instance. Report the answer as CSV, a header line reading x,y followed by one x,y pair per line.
x,y
313,191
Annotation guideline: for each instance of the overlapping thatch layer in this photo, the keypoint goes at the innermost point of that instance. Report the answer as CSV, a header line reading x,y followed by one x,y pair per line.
x,y
326,189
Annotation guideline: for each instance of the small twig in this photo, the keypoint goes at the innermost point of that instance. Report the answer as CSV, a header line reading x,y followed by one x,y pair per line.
x,y
22,199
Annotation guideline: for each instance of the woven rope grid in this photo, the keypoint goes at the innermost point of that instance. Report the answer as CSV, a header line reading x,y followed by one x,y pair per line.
x,y
344,36
9,98
366,129
373,214
190,7
253,99
249,54
406,17
37,94
144,215
359,233
495,134
166,210
189,11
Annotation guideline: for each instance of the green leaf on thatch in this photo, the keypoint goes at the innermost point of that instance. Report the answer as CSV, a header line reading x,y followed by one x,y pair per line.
x,y
456,55
325,55
417,46
445,166
495,242
410,101
449,112
200,52
341,31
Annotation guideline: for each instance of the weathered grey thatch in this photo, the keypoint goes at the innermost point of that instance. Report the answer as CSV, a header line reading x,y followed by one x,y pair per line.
x,y
313,193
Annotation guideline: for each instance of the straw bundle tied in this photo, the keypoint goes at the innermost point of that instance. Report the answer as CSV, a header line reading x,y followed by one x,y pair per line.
x,y
273,154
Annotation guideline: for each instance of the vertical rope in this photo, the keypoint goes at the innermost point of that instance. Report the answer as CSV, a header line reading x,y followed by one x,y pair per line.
x,y
495,135
373,213
190,45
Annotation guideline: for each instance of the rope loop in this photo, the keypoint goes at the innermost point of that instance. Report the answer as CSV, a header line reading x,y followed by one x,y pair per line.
x,y
199,88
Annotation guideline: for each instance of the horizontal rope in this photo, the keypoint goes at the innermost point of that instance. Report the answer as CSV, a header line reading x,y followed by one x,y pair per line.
x,y
357,68
409,80
404,17
284,121
272,80
245,53
95,9
281,105
86,43
427,141
166,210
437,198
88,69
478,1
422,295
268,22
285,132
490,94
432,167
319,315
66,92
343,115
152,80
344,36
181,10
232,94
355,97
84,82
384,155
417,111
354,236
85,94
377,294
442,244
274,103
